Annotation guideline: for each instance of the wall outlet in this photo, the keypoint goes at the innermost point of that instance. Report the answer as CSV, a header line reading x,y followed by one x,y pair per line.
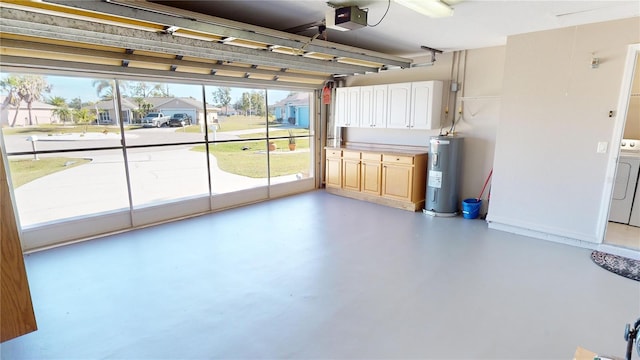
x,y
602,147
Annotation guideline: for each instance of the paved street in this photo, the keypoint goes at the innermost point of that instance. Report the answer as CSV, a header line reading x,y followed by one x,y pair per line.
x,y
144,136
157,174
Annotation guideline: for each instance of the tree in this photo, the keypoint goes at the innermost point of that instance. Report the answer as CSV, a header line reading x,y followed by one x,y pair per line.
x,y
245,103
144,90
222,96
143,107
258,102
253,103
64,114
164,91
237,106
57,101
27,88
82,116
62,110
10,85
75,103
104,88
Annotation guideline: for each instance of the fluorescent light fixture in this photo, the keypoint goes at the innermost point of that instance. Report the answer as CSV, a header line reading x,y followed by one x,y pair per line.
x,y
430,8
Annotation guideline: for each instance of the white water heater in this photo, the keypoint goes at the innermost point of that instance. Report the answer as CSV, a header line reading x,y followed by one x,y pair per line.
x,y
443,176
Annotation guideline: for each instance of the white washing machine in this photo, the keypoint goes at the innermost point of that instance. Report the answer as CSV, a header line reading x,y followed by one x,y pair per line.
x,y
625,202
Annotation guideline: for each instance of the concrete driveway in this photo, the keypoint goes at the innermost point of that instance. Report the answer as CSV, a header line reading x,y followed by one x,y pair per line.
x,y
157,175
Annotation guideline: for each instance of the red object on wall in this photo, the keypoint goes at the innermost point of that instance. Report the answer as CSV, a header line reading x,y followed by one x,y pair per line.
x,y
326,95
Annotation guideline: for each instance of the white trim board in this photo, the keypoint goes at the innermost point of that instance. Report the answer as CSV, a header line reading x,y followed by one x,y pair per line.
x,y
542,235
544,232
620,251
615,250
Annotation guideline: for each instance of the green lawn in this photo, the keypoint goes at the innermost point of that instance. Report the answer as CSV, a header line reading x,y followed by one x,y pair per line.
x,y
277,134
236,122
252,162
26,170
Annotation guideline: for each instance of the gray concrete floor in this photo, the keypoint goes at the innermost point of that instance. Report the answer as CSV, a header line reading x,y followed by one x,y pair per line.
x,y
320,276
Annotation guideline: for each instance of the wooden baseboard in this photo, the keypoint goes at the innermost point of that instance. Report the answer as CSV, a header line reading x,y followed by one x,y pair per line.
x,y
399,204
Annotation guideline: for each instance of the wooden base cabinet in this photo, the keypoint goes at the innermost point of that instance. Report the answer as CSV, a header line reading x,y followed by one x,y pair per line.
x,y
351,170
391,179
397,181
371,170
333,171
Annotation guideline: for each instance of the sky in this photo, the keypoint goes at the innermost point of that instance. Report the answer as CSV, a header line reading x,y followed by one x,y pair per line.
x,y
73,87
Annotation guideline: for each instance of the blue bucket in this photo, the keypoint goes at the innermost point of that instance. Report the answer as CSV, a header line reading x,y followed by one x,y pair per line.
x,y
471,208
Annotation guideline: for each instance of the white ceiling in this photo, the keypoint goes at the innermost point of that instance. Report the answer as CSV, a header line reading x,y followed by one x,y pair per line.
x,y
474,24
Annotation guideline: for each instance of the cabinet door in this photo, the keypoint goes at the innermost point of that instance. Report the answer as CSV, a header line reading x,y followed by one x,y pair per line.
x,y
333,176
341,107
351,174
397,181
351,170
426,100
366,106
398,105
371,177
379,107
353,106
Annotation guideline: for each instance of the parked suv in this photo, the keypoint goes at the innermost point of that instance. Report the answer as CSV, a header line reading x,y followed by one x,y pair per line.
x,y
180,119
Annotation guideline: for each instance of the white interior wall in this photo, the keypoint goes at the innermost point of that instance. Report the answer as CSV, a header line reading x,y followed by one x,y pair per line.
x,y
548,177
479,74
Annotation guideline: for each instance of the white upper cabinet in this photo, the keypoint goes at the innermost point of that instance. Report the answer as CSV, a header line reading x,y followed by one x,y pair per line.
x,y
348,106
398,105
411,105
366,106
426,103
341,107
373,106
379,115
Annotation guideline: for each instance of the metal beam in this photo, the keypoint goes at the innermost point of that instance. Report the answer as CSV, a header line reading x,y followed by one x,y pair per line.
x,y
74,52
59,67
169,16
15,21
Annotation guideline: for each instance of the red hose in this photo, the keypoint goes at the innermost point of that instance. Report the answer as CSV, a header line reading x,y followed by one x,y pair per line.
x,y
485,184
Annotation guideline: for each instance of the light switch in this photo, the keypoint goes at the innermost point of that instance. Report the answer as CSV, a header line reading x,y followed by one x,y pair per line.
x,y
602,147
